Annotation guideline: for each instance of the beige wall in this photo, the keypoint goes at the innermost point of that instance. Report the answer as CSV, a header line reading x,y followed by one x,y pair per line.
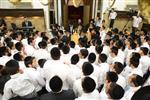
x,y
38,22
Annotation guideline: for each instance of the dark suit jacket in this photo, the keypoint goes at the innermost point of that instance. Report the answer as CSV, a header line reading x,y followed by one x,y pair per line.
x,y
25,26
64,95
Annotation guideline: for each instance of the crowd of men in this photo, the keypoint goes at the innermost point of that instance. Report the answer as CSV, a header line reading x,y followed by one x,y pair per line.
x,y
79,63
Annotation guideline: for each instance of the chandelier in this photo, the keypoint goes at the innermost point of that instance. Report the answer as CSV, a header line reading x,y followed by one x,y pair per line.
x,y
15,2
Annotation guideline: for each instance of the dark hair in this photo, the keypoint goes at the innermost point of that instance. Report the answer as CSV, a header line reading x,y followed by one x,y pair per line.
x,y
28,60
144,50
111,77
114,50
119,44
12,67
19,46
55,53
41,62
88,85
115,91
53,41
30,40
42,44
134,61
72,44
92,57
118,67
103,57
137,80
74,59
98,49
65,49
10,44
18,56
84,52
56,84
87,68
60,45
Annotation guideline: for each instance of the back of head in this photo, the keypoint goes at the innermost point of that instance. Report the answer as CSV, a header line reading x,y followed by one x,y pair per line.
x,y
19,46
42,44
98,49
115,91
144,50
55,53
18,56
118,67
84,52
136,80
103,57
53,41
88,85
12,67
74,59
114,50
72,44
92,57
65,49
41,62
87,68
56,84
134,61
111,77
28,60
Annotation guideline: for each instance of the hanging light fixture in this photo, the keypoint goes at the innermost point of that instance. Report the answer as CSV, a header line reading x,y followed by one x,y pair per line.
x,y
15,2
77,3
45,2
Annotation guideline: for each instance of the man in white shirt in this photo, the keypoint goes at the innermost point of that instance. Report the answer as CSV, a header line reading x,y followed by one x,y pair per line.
x,y
90,93
57,67
33,74
19,84
136,21
112,18
41,53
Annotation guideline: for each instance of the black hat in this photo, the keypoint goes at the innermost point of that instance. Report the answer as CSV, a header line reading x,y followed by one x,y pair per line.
x,y
142,94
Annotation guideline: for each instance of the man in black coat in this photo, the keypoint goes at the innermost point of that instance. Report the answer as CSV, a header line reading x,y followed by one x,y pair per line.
x,y
27,25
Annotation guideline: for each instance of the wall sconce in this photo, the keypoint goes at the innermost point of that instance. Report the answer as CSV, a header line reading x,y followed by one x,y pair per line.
x,y
44,2
15,2
77,3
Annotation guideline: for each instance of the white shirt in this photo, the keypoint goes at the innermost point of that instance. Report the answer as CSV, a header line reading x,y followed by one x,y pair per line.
x,y
19,84
121,81
106,50
37,40
35,78
121,54
4,60
145,63
89,96
129,93
22,65
113,15
29,50
57,67
136,21
41,54
103,35
75,71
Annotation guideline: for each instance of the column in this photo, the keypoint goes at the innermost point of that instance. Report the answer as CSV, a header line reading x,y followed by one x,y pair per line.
x,y
56,10
60,12
93,10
